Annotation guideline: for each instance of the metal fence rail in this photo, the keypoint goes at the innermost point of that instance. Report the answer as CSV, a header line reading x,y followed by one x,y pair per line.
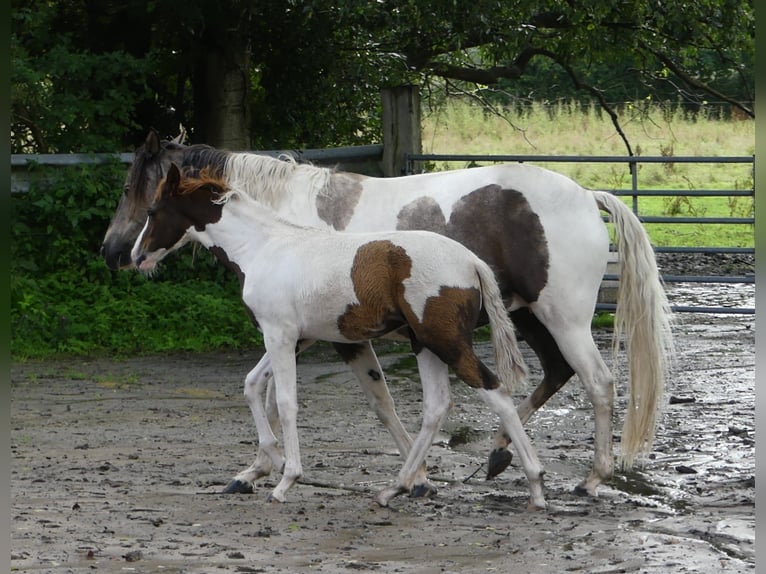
x,y
356,156
635,192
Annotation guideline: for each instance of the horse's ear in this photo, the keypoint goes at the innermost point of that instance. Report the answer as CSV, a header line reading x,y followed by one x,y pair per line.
x,y
172,180
152,143
179,139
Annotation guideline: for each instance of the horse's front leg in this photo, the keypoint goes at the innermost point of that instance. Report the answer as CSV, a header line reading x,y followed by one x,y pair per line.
x,y
266,424
265,420
281,347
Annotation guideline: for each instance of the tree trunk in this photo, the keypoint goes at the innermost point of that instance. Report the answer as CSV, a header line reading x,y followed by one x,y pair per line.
x,y
221,89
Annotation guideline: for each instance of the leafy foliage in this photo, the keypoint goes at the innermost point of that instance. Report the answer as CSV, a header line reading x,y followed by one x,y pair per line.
x,y
67,97
65,300
315,69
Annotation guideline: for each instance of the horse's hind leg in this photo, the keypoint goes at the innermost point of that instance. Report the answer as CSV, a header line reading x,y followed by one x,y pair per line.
x,y
556,372
577,345
363,362
502,404
473,372
434,375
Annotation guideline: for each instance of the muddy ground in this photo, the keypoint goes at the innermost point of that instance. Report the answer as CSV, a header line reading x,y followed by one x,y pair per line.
x,y
117,466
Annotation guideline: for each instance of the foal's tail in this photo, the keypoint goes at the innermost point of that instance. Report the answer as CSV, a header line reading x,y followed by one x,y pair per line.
x,y
643,316
511,369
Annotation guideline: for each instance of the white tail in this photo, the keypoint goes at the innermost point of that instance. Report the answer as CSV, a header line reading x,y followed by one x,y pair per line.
x,y
511,369
643,317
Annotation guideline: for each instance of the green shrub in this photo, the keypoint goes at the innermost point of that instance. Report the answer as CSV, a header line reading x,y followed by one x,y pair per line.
x,y
64,300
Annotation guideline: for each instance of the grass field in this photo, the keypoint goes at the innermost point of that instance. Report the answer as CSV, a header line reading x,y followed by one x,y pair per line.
x,y
563,130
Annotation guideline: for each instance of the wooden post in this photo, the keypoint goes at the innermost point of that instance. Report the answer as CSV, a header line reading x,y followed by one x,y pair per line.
x,y
401,128
607,292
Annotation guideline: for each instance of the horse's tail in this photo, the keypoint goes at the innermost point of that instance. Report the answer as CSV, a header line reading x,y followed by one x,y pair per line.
x,y
643,317
511,369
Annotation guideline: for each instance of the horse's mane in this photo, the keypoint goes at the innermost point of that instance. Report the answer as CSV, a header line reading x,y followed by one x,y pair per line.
x,y
205,177
264,178
269,180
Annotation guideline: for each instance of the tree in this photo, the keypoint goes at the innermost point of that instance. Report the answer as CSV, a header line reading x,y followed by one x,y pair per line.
x,y
307,73
694,51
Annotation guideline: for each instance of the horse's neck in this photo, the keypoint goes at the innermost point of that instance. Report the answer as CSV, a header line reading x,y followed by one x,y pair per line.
x,y
289,189
243,229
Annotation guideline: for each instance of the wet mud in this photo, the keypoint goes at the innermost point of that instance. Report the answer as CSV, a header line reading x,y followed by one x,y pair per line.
x,y
118,464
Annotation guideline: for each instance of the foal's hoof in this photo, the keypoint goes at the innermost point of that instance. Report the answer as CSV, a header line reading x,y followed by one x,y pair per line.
x,y
238,487
499,459
385,495
423,491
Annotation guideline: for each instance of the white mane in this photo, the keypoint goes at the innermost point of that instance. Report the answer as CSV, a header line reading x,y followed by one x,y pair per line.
x,y
271,180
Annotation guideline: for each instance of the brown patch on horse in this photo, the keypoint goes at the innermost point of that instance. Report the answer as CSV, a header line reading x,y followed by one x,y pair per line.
x,y
423,213
500,227
447,329
449,318
378,272
336,205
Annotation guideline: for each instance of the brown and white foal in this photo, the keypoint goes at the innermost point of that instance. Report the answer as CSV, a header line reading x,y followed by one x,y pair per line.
x,y
303,284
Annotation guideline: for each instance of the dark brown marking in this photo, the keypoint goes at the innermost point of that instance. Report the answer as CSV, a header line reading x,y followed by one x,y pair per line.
x,y
423,213
556,370
336,205
348,351
500,227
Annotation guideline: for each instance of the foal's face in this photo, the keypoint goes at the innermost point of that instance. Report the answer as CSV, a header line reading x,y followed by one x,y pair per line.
x,y
167,223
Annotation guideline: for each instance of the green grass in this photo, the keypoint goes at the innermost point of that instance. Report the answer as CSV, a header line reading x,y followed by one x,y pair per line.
x,y
462,128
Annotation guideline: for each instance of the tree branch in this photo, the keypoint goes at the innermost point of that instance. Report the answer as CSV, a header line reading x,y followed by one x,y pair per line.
x,y
23,116
493,74
695,83
598,94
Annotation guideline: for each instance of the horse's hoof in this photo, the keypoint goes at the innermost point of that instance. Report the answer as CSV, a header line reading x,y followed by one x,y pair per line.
x,y
238,487
499,459
580,490
533,506
273,499
385,495
423,491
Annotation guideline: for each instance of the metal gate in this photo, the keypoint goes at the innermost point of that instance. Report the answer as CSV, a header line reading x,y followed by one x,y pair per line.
x,y
635,192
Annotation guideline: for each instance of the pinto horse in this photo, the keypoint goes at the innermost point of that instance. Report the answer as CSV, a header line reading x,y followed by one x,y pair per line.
x,y
303,284
541,233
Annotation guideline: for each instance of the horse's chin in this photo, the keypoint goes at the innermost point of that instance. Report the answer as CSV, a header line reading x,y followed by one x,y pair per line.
x,y
147,267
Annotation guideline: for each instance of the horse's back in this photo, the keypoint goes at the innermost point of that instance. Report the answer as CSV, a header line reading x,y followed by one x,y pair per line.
x,y
537,229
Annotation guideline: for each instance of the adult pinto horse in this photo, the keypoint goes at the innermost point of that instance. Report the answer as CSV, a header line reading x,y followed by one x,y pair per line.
x,y
541,233
303,284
